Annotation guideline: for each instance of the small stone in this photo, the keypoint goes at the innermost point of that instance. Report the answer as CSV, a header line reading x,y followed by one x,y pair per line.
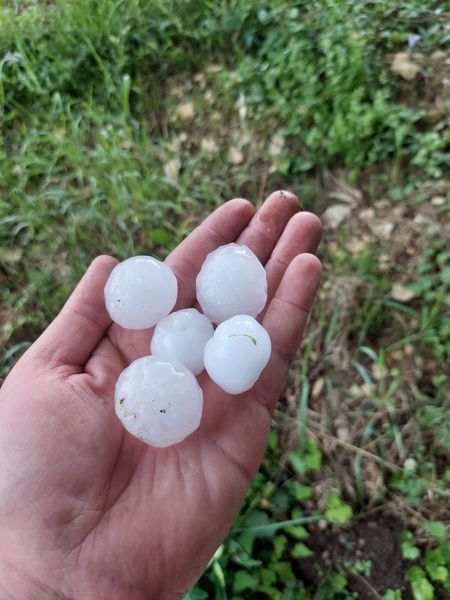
x,y
438,200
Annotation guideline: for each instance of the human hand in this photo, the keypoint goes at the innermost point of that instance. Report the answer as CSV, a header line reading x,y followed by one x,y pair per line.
x,y
88,511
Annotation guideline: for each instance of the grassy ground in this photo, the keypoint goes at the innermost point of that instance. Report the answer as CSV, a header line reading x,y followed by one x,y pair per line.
x,y
124,122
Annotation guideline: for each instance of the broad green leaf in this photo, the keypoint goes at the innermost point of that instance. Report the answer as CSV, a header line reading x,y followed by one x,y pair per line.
x,y
415,573
243,581
438,573
409,551
284,570
196,594
392,595
279,545
422,589
298,532
302,492
240,556
300,550
337,511
435,528
267,577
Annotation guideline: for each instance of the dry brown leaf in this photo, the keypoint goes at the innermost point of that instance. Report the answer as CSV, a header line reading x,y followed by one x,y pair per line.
x,y
400,293
185,111
404,66
235,156
317,387
335,215
208,144
172,168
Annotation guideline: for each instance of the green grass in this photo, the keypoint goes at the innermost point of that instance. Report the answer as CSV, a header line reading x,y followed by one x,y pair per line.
x,y
97,155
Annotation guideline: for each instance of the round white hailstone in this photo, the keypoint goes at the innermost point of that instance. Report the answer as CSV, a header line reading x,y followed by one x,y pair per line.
x,y
140,291
231,282
182,336
158,401
237,353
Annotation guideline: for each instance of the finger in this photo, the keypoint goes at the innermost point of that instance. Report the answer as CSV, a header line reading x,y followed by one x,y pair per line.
x,y
268,224
237,422
82,322
285,322
222,227
302,234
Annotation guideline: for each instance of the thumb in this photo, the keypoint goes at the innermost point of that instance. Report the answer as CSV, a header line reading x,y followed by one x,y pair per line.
x,y
72,337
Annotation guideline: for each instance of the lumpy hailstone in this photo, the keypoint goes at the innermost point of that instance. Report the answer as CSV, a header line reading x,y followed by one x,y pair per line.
x,y
237,353
140,291
158,401
182,336
231,282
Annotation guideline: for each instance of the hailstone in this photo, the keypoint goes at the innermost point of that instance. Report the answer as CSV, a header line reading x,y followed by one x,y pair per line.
x,y
231,282
140,291
182,336
237,353
158,401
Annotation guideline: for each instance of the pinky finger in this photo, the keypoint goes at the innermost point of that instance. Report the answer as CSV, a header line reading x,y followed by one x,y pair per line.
x,y
285,321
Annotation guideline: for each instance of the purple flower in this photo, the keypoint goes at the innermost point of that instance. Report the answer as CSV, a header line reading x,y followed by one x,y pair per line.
x,y
413,39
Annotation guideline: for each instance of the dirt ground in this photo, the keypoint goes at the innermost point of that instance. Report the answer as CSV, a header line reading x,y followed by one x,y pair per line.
x,y
375,539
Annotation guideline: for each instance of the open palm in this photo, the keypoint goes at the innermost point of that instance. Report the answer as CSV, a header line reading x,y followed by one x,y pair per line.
x,y
86,510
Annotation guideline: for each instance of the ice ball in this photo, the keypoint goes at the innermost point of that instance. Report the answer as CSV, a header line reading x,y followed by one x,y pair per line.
x,y
231,282
158,401
237,353
182,336
140,291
